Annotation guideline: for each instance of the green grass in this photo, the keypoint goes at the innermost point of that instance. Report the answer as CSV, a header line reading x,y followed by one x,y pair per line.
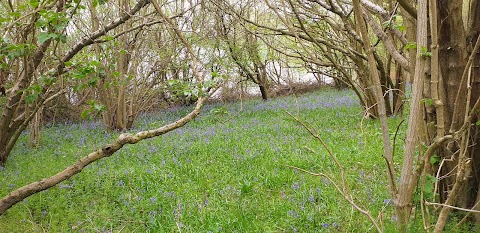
x,y
216,174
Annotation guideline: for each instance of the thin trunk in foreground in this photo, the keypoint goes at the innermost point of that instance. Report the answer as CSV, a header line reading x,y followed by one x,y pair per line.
x,y
378,95
408,179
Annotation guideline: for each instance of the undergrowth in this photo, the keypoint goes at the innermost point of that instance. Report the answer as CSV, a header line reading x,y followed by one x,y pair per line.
x,y
224,172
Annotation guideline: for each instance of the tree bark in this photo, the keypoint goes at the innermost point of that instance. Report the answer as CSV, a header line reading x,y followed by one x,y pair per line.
x,y
378,96
13,119
408,178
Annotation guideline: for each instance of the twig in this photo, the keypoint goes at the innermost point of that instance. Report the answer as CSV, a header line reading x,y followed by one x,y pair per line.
x,y
450,206
344,195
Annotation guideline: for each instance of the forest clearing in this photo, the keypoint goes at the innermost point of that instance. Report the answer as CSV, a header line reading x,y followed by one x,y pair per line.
x,y
225,171
239,116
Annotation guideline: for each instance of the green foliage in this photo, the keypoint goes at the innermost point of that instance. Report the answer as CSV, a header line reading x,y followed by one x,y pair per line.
x,y
34,92
44,36
13,51
425,53
221,110
411,45
428,189
51,18
215,174
396,22
36,89
96,3
87,74
434,160
34,3
428,101
180,90
94,109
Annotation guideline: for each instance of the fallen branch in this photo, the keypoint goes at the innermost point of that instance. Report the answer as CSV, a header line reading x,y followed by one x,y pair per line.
x,y
107,150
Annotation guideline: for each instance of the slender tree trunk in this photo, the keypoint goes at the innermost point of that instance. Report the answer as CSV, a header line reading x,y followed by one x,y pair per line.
x,y
377,89
35,128
399,91
409,179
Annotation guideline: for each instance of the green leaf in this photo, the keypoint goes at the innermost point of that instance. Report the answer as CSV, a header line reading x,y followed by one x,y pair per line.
x,y
428,102
99,107
214,74
36,88
63,38
115,74
33,3
424,52
43,36
93,82
31,98
434,159
47,80
108,38
411,45
85,113
59,27
95,63
402,28
15,14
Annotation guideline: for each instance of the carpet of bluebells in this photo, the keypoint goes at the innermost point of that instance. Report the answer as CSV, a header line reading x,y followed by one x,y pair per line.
x,y
224,172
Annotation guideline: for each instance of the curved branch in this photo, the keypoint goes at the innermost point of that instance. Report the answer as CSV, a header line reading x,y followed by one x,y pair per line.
x,y
408,8
107,150
389,44
90,39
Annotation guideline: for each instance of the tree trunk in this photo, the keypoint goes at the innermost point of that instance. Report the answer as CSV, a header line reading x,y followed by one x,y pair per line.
x,y
409,178
455,72
263,91
399,91
35,128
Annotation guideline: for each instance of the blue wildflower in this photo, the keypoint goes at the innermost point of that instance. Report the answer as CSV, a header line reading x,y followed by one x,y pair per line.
x,y
120,183
393,218
295,186
292,213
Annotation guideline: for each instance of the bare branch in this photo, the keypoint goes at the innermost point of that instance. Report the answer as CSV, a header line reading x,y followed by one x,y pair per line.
x,y
106,151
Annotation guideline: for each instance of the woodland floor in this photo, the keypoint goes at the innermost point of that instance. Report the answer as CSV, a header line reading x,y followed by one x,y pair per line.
x,y
224,172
